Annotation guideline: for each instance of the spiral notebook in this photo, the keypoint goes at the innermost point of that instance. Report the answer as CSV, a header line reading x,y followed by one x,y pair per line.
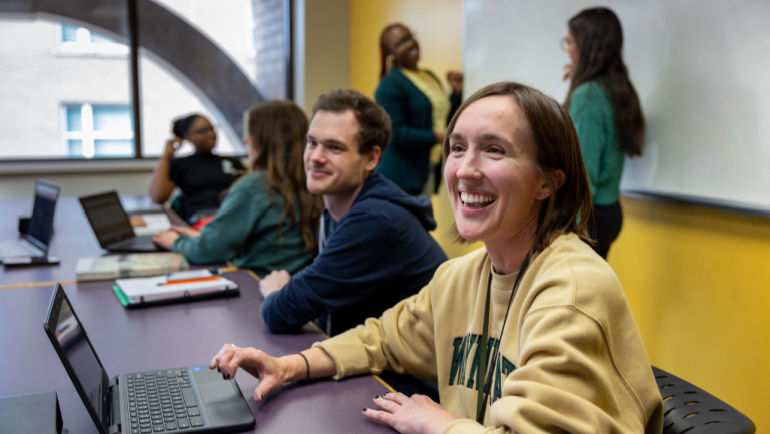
x,y
179,287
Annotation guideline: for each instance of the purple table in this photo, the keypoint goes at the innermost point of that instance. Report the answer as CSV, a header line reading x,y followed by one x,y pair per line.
x,y
172,336
72,239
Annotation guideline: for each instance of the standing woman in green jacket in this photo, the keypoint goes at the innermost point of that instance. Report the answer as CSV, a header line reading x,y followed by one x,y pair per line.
x,y
418,107
605,109
268,220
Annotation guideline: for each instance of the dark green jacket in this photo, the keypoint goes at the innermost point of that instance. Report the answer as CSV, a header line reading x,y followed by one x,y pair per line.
x,y
245,232
407,159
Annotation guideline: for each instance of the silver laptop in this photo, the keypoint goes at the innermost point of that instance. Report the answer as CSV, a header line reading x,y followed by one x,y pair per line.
x,y
191,399
33,247
111,226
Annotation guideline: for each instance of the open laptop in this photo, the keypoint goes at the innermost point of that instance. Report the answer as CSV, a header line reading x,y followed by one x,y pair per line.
x,y
111,226
193,399
33,247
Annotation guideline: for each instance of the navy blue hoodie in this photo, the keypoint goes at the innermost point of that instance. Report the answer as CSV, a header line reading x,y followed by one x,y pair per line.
x,y
379,253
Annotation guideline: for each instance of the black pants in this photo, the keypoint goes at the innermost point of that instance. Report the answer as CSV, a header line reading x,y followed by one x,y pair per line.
x,y
604,226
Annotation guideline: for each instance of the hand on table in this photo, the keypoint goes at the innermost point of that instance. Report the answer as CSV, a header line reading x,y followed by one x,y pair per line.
x,y
415,414
274,282
137,221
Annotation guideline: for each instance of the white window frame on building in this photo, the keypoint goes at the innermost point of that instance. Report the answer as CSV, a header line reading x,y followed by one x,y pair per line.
x,y
94,141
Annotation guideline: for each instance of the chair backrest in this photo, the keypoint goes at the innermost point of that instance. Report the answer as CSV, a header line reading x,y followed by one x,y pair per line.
x,y
690,409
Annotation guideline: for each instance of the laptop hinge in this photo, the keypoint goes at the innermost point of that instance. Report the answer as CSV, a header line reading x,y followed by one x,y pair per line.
x,y
114,406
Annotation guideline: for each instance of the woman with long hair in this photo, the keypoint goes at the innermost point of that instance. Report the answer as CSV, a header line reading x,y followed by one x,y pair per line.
x,y
418,107
605,109
201,176
268,220
532,333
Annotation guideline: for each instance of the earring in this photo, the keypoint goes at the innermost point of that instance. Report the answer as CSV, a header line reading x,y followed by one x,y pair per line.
x,y
389,61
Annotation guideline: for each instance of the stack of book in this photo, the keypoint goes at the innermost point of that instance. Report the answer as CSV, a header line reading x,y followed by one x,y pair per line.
x,y
130,265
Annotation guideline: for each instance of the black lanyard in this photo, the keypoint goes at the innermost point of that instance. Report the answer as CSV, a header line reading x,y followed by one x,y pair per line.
x,y
481,373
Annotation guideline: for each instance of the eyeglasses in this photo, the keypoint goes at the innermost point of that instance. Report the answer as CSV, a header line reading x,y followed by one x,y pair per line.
x,y
408,38
565,43
204,130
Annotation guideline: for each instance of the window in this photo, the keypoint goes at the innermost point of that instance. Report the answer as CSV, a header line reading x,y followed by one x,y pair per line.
x,y
67,81
98,131
76,39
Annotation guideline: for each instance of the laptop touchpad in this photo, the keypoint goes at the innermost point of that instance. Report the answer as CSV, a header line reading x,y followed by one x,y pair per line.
x,y
218,392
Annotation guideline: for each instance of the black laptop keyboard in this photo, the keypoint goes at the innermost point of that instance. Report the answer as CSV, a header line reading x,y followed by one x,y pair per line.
x,y
160,401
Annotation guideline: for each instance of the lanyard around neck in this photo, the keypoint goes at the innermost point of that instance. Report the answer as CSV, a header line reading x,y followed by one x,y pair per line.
x,y
481,373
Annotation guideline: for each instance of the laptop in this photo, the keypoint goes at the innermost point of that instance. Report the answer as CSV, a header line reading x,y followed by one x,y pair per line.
x,y
191,399
111,226
33,247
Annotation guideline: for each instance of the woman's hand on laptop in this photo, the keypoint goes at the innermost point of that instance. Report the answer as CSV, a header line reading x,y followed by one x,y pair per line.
x,y
188,232
268,369
272,372
165,239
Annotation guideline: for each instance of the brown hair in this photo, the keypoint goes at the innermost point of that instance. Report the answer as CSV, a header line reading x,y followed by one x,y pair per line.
x,y
569,207
599,38
374,124
278,132
384,66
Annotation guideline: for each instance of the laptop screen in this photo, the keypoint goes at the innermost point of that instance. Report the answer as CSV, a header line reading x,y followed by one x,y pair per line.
x,y
77,355
41,222
107,217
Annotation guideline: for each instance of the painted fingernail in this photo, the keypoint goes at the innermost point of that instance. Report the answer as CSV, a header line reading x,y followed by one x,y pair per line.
x,y
385,393
364,410
228,376
218,369
376,396
223,377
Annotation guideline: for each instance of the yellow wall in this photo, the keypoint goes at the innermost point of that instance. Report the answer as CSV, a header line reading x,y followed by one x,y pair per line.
x,y
436,24
697,279
698,282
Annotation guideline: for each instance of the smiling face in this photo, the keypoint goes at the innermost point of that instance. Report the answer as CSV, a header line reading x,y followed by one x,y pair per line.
x,y
494,185
202,135
403,47
333,164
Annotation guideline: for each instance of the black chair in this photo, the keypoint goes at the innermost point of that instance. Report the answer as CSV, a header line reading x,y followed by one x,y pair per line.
x,y
690,409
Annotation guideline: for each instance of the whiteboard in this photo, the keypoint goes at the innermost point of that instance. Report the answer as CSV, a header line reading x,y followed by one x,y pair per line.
x,y
701,69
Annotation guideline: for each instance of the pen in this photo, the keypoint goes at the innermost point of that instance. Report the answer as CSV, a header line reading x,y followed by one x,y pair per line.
x,y
201,279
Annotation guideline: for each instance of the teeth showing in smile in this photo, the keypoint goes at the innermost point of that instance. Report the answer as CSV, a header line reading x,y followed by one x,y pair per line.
x,y
476,200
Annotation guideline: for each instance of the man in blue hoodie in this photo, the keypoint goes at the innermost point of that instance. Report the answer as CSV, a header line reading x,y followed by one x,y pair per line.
x,y
375,249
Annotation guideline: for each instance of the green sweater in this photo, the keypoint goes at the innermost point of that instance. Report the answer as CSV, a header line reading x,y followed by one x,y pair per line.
x,y
245,232
591,111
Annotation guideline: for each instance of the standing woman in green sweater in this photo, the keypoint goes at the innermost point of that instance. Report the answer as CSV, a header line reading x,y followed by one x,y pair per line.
x,y
418,107
268,220
605,109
